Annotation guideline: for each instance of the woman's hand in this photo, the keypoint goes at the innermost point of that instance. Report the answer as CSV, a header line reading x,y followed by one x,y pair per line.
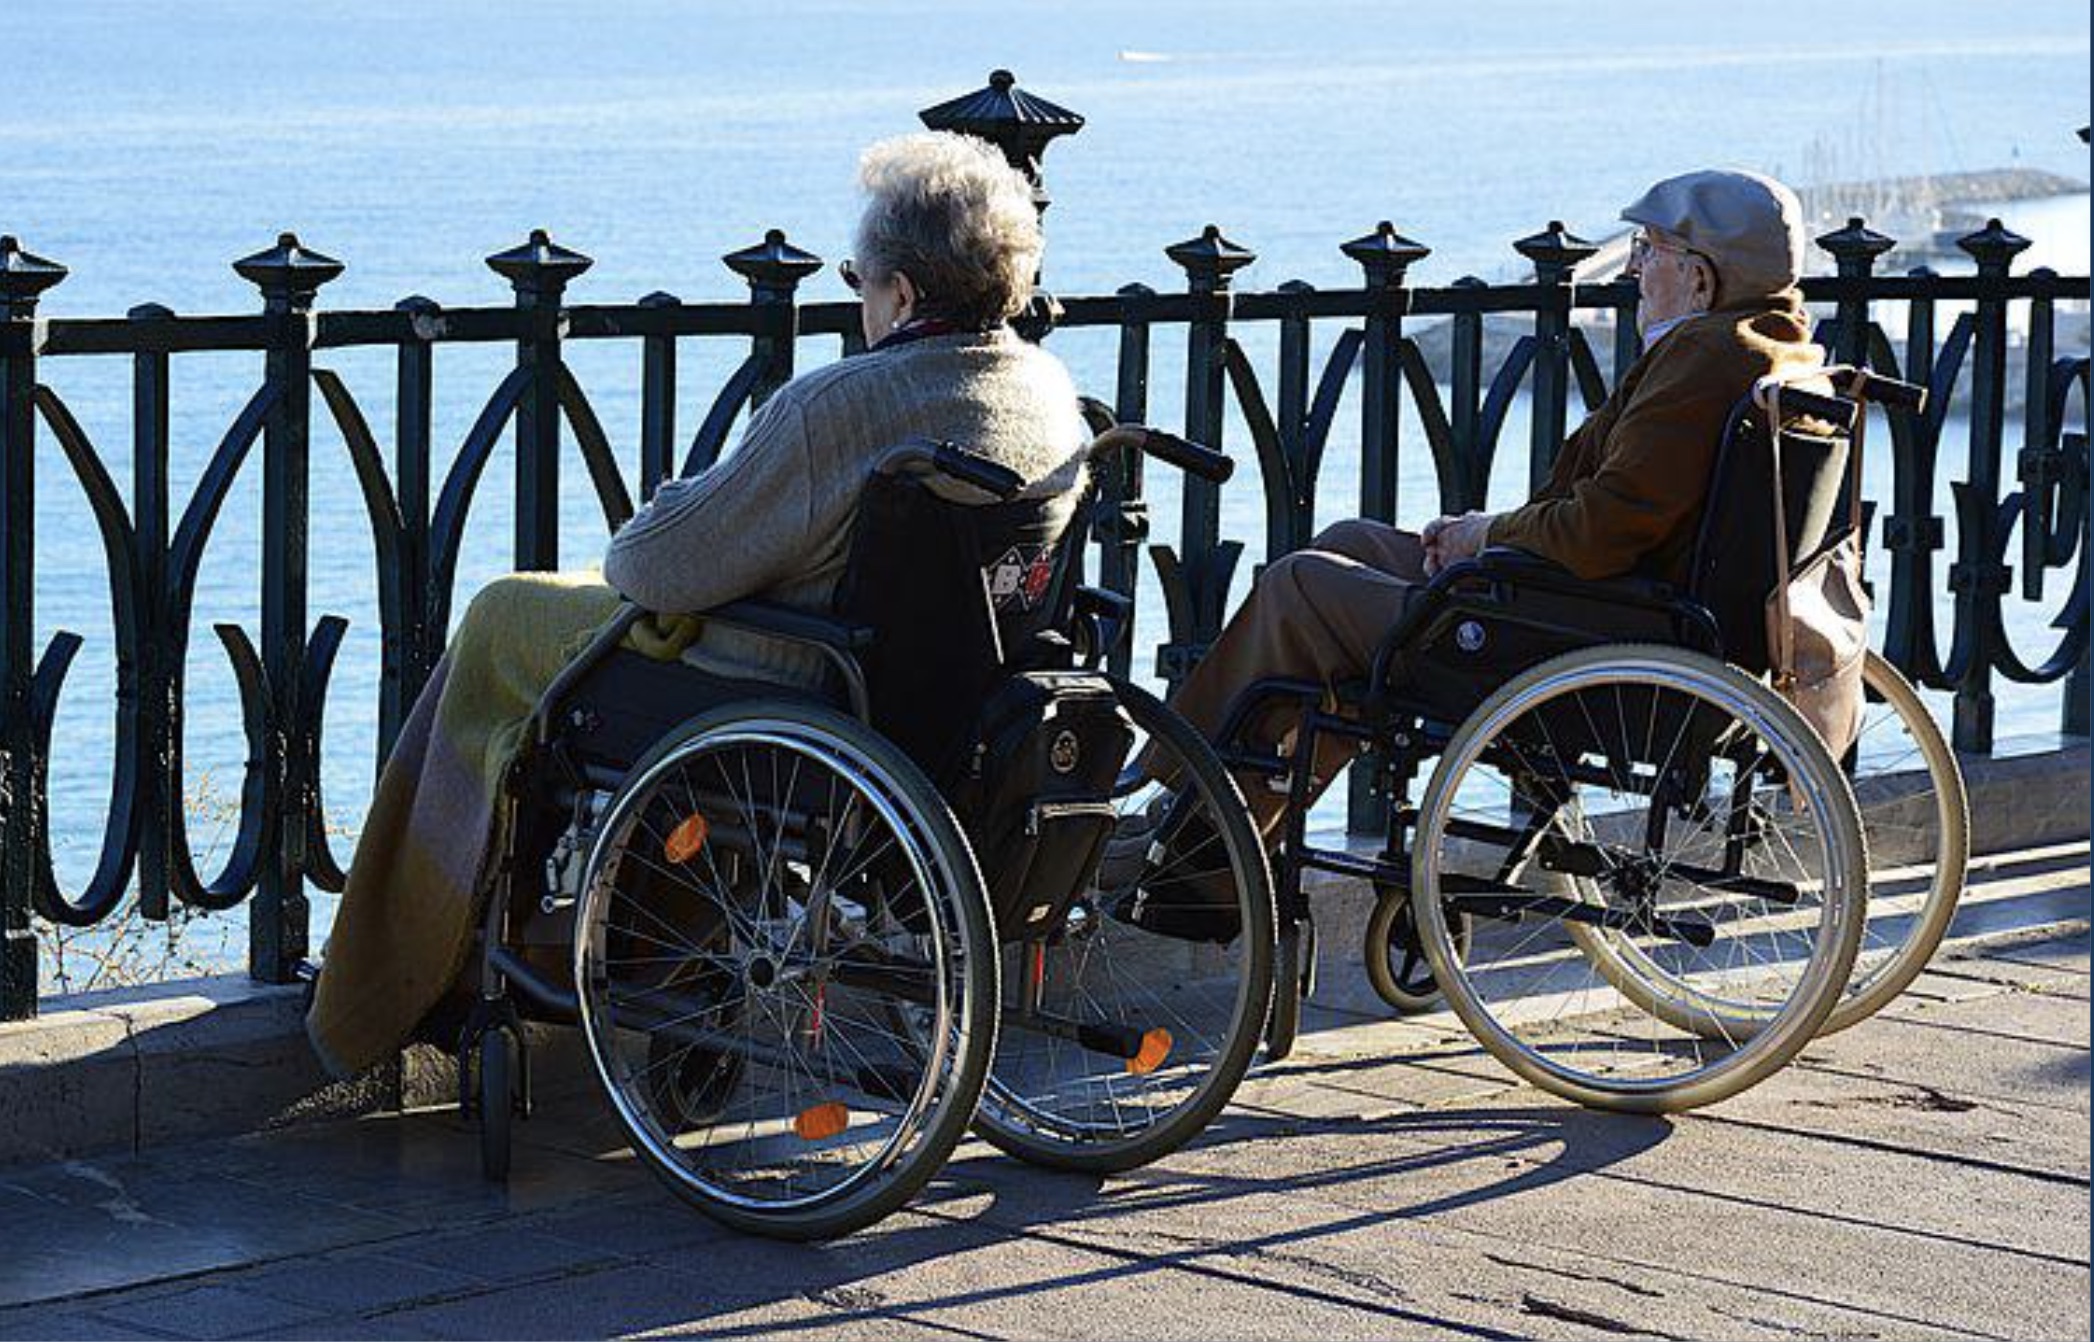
x,y
1449,540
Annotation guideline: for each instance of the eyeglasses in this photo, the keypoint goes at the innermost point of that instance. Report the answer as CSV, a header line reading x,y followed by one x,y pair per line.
x,y
855,281
1642,246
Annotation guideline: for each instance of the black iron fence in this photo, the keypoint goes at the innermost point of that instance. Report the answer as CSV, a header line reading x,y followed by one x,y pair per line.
x,y
2022,515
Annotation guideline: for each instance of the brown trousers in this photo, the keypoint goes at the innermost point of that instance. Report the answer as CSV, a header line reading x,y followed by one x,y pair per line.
x,y
1316,614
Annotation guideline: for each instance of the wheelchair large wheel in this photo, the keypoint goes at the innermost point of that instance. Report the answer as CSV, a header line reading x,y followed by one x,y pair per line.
x,y
772,887
1666,870
1915,820
1916,817
1195,1008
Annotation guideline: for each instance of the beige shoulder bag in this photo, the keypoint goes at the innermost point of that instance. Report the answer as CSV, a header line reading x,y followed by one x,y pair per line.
x,y
1817,620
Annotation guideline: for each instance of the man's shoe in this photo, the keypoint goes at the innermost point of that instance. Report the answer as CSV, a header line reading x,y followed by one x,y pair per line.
x,y
1168,873
1129,849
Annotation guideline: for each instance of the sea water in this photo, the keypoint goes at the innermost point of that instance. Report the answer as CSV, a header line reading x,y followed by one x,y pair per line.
x,y
151,144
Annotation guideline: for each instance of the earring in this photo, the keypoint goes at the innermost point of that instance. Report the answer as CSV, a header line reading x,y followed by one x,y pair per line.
x,y
895,325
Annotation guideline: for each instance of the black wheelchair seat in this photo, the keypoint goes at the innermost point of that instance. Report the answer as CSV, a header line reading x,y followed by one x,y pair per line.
x,y
1481,622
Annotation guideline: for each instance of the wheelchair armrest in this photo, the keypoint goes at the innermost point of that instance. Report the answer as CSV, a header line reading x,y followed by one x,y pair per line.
x,y
798,626
610,636
835,638
1505,563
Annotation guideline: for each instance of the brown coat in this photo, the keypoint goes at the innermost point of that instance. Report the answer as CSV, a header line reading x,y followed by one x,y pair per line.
x,y
1627,491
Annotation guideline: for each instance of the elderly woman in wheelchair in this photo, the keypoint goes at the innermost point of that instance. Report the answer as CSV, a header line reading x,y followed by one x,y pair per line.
x,y
1636,873
797,815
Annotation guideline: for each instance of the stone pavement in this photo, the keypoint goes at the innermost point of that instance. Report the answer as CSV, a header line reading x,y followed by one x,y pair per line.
x,y
1925,1175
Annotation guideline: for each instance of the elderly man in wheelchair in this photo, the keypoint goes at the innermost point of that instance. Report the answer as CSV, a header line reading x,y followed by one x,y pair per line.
x,y
1636,873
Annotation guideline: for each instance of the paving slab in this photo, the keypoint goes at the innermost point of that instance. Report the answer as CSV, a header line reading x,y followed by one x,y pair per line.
x,y
1924,1175
1996,1067
211,1310
360,1282
1385,1230
71,1327
1632,1210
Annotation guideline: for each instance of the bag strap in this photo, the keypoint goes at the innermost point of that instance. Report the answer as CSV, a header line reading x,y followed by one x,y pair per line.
x,y
1854,441
1784,649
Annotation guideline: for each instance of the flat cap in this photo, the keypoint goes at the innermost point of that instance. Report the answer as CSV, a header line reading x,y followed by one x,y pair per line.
x,y
1750,227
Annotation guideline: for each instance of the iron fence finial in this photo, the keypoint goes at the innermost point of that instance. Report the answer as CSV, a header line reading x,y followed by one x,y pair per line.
x,y
1855,247
23,277
1210,259
1385,255
1555,251
539,265
289,273
1993,247
773,264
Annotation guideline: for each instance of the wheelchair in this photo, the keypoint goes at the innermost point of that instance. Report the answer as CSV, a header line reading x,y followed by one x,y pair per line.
x,y
811,937
1635,873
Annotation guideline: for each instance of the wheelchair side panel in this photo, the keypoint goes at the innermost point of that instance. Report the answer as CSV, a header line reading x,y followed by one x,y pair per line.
x,y
628,701
1486,632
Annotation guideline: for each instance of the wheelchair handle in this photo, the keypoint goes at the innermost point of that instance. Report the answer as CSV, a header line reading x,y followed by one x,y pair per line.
x,y
1186,455
1863,385
954,462
1836,410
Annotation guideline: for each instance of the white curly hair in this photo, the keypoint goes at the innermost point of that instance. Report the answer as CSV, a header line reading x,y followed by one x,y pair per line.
x,y
947,211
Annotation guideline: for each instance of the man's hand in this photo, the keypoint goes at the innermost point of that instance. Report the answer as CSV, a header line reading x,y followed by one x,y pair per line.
x,y
1449,540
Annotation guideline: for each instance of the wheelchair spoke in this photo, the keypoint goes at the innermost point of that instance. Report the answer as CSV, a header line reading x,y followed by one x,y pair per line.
x,y
717,892
701,957
1201,1003
1670,935
752,1068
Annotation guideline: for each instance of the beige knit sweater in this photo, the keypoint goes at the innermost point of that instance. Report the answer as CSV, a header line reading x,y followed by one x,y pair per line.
x,y
773,518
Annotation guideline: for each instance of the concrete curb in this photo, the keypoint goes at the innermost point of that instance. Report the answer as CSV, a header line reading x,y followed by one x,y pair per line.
x,y
134,1068
131,1069
137,1067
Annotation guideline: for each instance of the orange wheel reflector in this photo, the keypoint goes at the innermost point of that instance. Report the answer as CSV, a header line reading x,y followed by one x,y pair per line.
x,y
822,1121
1156,1046
686,839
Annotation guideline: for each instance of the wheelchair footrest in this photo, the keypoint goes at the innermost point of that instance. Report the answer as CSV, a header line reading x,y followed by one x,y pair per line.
x,y
1485,899
1113,1040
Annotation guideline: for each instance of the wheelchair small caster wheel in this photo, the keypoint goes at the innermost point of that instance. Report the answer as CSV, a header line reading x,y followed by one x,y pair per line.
x,y
497,1075
1395,959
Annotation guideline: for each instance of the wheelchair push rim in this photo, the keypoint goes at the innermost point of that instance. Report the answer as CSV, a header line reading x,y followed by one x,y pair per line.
x,y
1668,881
782,935
1915,814
1197,1007
1915,823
